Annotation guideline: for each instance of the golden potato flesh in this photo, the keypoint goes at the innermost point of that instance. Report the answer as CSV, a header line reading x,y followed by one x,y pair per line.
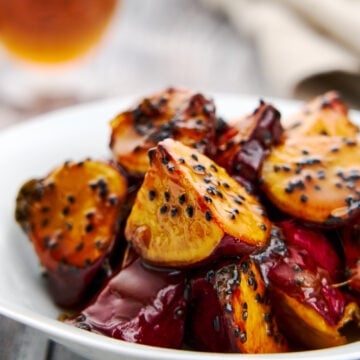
x,y
305,326
177,113
324,115
316,179
188,206
71,216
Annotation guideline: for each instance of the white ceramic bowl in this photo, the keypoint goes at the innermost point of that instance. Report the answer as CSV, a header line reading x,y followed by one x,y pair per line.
x,y
35,147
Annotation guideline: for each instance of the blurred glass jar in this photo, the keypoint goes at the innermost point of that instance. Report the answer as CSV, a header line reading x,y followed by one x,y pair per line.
x,y
53,31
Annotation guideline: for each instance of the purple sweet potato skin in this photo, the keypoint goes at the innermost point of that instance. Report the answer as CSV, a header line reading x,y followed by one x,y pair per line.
x,y
139,305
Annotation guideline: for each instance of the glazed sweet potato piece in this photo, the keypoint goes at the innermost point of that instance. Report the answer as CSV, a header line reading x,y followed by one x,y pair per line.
x,y
180,114
310,310
303,325
230,311
321,248
189,210
326,115
351,244
140,305
71,217
242,145
315,179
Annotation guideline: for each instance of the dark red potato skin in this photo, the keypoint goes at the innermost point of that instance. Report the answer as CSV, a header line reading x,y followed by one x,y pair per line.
x,y
139,305
320,247
230,310
243,144
294,270
351,245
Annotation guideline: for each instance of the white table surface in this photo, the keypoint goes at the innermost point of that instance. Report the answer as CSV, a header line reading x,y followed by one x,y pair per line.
x,y
153,44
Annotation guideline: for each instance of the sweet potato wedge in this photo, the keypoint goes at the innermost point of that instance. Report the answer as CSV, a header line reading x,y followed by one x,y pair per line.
x,y
319,246
71,217
350,236
310,310
189,209
325,115
180,114
140,305
304,326
315,179
242,145
230,311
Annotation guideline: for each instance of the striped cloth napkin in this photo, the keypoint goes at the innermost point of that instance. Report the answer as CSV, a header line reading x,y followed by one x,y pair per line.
x,y
304,46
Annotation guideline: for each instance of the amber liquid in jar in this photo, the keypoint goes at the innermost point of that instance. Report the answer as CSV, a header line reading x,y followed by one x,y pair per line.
x,y
53,31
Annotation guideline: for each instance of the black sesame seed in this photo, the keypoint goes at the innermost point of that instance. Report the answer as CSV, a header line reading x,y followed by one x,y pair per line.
x,y
190,211
303,198
286,168
208,215
166,196
321,174
243,336
208,199
71,199
90,214
267,317
152,194
100,244
213,167
79,246
182,198
87,262
237,201
245,266
228,308
194,156
65,211
181,160
259,298
68,225
263,227
216,323
245,315
173,211
113,200
165,160
93,185
89,228
198,168
163,209
226,185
